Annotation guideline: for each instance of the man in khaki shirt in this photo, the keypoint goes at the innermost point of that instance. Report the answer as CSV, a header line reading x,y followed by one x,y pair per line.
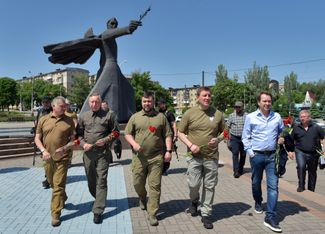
x,y
54,131
146,132
199,130
94,129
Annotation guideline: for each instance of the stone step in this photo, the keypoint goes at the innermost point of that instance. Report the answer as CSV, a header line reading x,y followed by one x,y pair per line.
x,y
12,140
16,145
16,155
16,151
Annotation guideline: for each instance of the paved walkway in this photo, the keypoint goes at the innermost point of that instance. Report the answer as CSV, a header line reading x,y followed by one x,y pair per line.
x,y
24,205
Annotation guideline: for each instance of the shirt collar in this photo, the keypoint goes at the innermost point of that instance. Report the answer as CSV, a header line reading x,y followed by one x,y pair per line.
x,y
150,114
259,113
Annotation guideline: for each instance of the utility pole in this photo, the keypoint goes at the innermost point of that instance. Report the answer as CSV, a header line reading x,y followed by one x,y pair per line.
x,y
202,78
20,99
32,96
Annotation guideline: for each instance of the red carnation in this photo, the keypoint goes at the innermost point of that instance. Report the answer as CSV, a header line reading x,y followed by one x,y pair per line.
x,y
152,129
225,134
76,142
116,134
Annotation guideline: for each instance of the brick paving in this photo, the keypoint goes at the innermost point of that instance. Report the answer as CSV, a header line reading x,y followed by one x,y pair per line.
x,y
24,205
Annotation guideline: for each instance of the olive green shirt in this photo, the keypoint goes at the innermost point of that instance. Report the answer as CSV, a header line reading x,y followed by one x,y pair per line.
x,y
149,131
93,126
55,132
201,126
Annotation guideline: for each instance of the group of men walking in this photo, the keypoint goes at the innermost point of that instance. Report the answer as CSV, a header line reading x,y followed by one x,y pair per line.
x,y
151,135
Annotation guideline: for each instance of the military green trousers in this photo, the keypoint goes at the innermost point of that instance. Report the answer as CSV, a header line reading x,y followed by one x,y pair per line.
x,y
56,173
96,167
151,168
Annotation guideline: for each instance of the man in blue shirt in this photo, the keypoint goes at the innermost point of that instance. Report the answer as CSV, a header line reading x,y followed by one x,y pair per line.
x,y
260,136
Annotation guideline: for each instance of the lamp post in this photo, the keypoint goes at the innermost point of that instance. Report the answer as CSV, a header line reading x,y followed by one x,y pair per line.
x,y
32,95
20,99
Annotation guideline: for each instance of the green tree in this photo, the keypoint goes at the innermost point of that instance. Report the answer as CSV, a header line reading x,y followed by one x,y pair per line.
x,y
142,82
226,92
314,111
40,88
8,94
221,73
257,79
80,90
290,85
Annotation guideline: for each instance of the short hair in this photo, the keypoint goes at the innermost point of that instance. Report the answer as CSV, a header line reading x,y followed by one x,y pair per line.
x,y
147,94
305,111
94,94
265,93
57,99
203,88
105,102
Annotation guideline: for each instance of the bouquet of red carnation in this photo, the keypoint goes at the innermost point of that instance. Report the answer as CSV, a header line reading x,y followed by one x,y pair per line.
x,y
282,157
227,139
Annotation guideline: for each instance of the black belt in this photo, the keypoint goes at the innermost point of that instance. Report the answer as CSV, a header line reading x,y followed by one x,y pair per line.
x,y
266,152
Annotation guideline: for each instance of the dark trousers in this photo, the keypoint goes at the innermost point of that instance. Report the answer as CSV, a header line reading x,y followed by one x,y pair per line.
x,y
238,153
96,167
306,162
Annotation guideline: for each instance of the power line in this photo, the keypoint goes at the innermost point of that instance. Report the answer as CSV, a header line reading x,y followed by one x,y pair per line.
x,y
284,64
239,69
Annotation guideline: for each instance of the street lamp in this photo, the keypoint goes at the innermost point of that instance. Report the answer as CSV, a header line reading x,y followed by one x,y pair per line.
x,y
20,99
32,96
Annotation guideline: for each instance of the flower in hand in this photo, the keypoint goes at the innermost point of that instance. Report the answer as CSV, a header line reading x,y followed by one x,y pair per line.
x,y
112,136
152,129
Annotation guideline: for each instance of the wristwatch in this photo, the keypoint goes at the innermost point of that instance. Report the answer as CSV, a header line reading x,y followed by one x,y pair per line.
x,y
42,150
169,151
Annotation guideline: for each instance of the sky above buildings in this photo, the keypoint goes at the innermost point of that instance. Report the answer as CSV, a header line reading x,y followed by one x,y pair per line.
x,y
178,40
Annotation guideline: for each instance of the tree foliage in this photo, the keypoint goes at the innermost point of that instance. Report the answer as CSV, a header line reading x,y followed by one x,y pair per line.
x,y
142,82
226,91
80,90
40,88
8,95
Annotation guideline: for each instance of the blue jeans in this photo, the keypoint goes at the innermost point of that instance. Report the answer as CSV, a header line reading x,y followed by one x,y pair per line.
x,y
259,163
306,162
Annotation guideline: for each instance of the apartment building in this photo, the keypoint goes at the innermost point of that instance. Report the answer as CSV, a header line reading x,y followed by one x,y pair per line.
x,y
64,77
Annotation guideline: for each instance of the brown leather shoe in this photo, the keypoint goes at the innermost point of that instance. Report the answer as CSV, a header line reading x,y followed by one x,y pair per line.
x,y
56,220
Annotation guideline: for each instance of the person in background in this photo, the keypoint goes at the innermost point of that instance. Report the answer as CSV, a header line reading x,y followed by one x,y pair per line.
x,y
307,136
54,131
261,134
94,130
172,123
44,110
148,133
105,106
117,142
235,124
68,112
200,129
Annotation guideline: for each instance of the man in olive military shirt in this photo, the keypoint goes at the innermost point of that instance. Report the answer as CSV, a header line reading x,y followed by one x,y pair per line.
x,y
199,130
94,129
54,131
146,132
